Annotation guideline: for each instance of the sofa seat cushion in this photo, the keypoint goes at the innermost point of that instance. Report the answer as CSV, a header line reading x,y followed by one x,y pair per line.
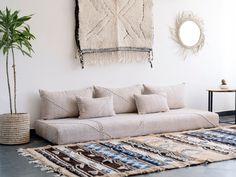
x,y
73,130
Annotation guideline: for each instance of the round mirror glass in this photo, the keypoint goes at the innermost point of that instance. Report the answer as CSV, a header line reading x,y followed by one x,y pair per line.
x,y
189,33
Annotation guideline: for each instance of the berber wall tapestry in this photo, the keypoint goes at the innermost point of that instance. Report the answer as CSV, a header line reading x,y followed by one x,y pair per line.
x,y
113,31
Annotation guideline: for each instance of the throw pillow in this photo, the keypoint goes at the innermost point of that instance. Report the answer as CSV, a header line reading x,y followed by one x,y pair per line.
x,y
61,104
123,98
95,107
175,94
152,103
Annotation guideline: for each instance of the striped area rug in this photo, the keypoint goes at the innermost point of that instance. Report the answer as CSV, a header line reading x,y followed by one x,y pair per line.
x,y
137,155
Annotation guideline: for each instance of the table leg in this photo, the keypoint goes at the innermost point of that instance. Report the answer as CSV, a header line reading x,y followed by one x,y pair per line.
x,y
209,101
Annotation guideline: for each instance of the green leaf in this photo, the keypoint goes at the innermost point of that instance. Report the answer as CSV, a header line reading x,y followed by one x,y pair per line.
x,y
24,18
1,45
14,32
5,50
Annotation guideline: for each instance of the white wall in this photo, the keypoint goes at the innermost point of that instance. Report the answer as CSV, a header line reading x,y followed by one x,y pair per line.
x,y
53,65
230,40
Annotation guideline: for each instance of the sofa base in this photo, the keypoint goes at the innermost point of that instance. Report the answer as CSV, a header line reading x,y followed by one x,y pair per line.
x,y
74,130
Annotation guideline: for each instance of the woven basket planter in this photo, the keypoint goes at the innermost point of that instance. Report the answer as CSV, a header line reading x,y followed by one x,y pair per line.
x,y
14,128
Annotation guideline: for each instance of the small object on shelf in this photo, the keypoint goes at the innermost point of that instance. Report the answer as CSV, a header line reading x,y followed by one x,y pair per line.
x,y
224,84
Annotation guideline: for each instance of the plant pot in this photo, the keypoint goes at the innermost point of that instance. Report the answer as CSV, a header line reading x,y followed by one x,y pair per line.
x,y
14,128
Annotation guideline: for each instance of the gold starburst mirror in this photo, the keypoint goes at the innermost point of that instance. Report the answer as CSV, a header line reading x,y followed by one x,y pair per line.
x,y
188,33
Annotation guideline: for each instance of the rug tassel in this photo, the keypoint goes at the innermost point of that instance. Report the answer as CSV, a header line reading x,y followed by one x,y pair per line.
x,y
38,163
79,55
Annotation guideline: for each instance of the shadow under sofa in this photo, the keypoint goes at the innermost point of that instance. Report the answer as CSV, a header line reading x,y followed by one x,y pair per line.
x,y
74,130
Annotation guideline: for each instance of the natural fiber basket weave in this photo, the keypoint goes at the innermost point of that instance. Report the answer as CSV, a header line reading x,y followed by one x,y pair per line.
x,y
14,128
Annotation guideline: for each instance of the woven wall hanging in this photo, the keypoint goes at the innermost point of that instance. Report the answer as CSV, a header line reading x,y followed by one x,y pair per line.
x,y
113,31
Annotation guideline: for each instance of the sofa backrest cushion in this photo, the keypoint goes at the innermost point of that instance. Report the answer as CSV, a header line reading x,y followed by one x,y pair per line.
x,y
61,104
175,94
95,107
151,103
123,98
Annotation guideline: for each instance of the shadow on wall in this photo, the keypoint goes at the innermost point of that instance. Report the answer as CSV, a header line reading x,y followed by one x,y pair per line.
x,y
33,105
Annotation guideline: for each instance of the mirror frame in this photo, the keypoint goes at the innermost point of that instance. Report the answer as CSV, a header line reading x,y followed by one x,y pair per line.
x,y
180,20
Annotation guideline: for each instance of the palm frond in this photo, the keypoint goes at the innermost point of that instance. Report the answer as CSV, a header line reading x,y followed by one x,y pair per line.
x,y
15,32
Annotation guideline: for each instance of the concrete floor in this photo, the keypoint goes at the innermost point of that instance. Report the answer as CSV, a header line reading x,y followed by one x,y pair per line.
x,y
13,165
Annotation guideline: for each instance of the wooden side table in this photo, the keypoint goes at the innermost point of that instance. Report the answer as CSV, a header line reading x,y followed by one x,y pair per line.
x,y
210,97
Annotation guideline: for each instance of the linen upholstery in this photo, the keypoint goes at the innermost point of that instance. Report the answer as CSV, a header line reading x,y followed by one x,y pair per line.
x,y
95,107
151,103
175,94
73,130
123,98
61,104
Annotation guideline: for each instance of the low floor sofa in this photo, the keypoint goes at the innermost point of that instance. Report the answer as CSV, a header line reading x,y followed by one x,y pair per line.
x,y
72,129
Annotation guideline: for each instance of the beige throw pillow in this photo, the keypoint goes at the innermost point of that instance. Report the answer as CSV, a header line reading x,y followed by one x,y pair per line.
x,y
95,107
152,103
123,98
61,104
175,94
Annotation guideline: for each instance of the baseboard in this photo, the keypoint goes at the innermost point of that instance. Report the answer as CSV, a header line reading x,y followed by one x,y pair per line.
x,y
226,113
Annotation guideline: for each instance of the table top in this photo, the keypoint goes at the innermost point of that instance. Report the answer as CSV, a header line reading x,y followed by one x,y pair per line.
x,y
221,90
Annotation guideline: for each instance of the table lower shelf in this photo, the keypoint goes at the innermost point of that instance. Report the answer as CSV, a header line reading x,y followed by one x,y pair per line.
x,y
227,120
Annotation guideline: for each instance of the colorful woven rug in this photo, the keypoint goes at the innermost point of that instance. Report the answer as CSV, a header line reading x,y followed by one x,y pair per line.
x,y
137,155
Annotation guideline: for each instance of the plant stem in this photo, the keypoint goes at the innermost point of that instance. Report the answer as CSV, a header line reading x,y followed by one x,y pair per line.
x,y
14,78
8,82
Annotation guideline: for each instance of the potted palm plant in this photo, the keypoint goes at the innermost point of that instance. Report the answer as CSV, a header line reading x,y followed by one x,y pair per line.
x,y
15,36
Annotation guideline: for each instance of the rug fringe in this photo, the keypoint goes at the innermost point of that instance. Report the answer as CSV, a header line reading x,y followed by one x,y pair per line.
x,y
38,163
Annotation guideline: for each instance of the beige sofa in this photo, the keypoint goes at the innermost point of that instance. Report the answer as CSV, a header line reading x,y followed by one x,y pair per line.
x,y
73,130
